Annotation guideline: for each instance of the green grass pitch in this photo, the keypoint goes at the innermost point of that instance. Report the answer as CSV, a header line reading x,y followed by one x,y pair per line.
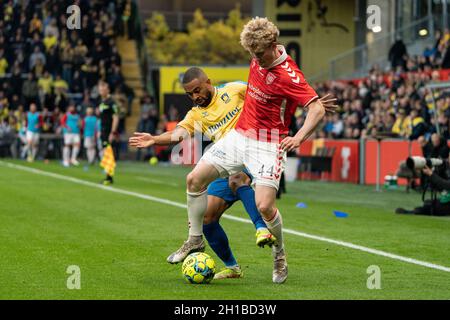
x,y
120,242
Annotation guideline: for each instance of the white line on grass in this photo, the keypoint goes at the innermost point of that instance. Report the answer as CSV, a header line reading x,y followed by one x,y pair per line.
x,y
182,205
167,183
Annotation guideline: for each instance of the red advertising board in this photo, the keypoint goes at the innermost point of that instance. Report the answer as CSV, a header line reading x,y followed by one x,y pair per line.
x,y
392,152
345,160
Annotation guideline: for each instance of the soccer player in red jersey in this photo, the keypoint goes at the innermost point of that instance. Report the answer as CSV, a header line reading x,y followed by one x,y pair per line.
x,y
259,142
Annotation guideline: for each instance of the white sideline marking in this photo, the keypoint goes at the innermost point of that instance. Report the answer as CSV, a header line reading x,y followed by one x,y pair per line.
x,y
181,205
167,183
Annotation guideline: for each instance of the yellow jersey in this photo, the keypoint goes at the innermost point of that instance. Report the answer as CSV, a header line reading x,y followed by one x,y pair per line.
x,y
221,115
402,127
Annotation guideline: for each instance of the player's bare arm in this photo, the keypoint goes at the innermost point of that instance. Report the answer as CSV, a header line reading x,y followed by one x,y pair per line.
x,y
145,140
315,114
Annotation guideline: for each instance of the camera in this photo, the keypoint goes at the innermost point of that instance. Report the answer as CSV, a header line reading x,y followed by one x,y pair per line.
x,y
418,163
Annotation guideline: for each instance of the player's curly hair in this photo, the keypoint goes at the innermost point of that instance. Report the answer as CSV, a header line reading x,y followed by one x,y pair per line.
x,y
258,34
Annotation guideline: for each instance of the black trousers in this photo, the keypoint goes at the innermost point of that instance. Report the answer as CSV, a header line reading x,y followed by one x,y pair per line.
x,y
433,208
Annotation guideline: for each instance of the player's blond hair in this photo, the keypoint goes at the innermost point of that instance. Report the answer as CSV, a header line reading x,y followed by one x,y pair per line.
x,y
258,34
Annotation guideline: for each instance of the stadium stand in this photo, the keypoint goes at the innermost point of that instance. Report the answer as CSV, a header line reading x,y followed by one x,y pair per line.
x,y
43,61
394,101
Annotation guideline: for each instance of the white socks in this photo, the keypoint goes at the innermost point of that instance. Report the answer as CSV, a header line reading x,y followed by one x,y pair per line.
x,y
66,154
75,151
196,204
29,151
275,226
91,155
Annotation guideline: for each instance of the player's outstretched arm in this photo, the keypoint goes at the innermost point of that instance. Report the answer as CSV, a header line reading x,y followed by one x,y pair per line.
x,y
145,140
315,114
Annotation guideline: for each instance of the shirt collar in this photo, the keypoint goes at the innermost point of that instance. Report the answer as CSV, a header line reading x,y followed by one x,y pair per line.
x,y
213,99
281,58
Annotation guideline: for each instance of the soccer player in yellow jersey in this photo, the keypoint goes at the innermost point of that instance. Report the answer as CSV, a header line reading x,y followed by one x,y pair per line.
x,y
216,112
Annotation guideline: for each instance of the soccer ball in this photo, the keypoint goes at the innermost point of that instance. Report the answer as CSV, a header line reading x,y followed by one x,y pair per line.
x,y
198,268
153,161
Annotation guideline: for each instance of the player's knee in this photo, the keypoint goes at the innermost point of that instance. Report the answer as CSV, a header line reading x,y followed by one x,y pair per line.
x,y
193,183
237,181
235,184
265,208
210,218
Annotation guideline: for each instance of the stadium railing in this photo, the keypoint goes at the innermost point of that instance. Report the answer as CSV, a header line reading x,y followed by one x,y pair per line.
x,y
358,61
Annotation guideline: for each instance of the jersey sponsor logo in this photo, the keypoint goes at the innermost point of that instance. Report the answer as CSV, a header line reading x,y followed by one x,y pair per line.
x,y
230,115
270,78
257,94
225,97
291,73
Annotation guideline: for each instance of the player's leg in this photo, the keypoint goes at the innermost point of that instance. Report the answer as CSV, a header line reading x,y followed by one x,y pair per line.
x,y
266,161
217,238
89,143
75,149
240,185
197,201
35,145
29,135
265,201
24,144
222,159
100,148
66,150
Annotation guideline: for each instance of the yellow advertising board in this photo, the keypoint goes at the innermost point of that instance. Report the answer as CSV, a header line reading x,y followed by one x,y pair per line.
x,y
170,78
314,31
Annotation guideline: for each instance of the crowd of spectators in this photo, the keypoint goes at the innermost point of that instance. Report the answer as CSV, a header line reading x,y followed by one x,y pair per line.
x,y
389,103
43,61
392,102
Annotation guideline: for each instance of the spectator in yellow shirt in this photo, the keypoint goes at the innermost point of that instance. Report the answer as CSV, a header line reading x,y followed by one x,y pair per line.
x,y
60,84
3,106
45,84
402,125
35,24
3,64
50,41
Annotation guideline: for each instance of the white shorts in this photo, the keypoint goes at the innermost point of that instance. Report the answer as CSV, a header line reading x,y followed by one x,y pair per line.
x,y
264,160
89,142
71,138
33,137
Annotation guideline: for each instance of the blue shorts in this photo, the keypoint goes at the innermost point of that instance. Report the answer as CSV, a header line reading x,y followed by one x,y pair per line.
x,y
220,188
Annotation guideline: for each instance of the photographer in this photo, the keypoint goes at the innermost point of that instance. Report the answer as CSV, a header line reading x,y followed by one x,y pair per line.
x,y
435,148
435,206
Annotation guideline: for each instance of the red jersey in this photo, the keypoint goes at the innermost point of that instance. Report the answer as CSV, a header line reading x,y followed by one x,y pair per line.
x,y
272,97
